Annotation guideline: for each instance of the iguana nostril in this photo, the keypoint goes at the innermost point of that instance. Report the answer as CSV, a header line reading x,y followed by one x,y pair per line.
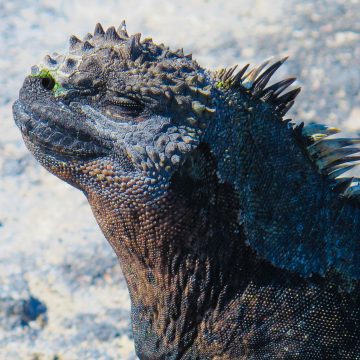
x,y
47,83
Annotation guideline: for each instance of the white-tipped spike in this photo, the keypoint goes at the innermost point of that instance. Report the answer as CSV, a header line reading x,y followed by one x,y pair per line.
x,y
339,154
340,169
314,130
317,137
122,30
251,76
324,147
353,190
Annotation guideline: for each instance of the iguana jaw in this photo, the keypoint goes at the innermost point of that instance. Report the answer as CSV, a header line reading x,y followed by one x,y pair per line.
x,y
52,137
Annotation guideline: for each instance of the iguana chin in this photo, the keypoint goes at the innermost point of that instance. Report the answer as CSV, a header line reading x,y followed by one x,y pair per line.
x,y
235,233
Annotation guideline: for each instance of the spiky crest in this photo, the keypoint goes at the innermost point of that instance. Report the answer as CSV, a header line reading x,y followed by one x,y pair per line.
x,y
254,82
332,157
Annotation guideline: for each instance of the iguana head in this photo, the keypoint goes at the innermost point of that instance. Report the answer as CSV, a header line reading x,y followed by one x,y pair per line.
x,y
137,106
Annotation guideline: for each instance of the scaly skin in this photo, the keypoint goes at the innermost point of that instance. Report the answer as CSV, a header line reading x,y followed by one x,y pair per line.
x,y
235,237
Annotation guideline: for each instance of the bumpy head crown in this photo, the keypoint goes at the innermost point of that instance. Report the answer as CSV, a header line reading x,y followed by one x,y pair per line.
x,y
152,102
151,70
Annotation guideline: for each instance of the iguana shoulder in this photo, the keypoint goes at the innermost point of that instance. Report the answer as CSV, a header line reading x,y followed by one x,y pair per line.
x,y
299,212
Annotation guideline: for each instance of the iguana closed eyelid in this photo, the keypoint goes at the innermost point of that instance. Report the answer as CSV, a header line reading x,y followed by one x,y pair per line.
x,y
124,101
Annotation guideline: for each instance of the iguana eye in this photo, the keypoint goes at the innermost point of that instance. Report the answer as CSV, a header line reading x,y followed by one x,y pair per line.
x,y
47,83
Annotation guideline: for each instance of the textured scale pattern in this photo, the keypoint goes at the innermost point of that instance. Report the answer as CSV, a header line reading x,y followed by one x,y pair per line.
x,y
237,230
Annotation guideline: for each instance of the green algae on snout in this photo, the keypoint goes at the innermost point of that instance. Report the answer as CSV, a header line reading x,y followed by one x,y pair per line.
x,y
58,89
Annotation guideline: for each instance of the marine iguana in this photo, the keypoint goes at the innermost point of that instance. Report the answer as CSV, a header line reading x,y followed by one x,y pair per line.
x,y
236,233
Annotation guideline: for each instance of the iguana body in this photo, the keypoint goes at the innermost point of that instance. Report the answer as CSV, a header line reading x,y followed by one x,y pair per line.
x,y
235,235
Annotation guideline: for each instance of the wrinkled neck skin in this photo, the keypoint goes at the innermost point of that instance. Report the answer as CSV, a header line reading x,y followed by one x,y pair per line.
x,y
181,256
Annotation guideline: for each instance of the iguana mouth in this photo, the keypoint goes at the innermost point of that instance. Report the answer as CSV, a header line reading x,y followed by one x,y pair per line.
x,y
41,131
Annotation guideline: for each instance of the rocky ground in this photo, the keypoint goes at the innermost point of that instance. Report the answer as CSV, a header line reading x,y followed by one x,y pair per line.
x,y
62,294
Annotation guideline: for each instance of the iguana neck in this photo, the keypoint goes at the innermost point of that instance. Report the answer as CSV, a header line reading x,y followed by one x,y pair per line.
x,y
180,254
283,197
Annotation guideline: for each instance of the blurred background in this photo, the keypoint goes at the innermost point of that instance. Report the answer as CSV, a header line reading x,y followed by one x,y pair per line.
x,y
62,294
